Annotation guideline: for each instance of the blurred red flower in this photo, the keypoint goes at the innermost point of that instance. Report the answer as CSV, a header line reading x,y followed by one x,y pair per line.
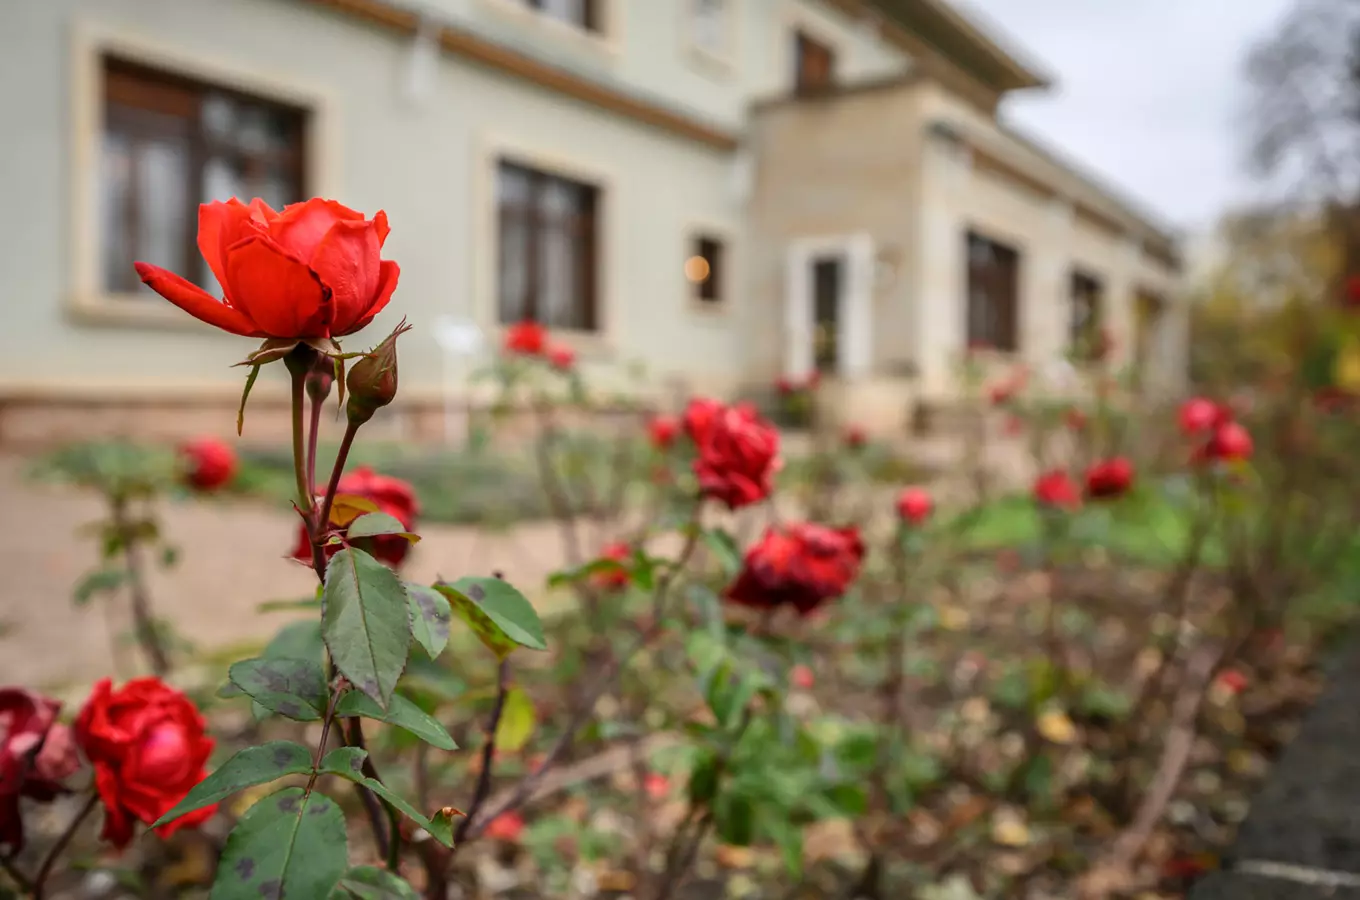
x,y
800,565
1109,478
1056,490
738,452
914,505
526,339
392,495
208,463
36,753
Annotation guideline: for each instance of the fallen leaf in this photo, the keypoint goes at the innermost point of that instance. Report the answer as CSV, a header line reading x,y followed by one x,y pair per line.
x,y
1009,829
1054,725
732,857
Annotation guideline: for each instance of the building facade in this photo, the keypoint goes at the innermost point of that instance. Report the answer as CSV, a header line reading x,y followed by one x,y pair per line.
x,y
725,190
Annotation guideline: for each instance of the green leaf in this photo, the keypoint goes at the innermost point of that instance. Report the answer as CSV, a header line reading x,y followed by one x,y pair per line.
x,y
703,779
241,412
366,622
348,763
724,546
293,688
430,615
297,640
290,844
378,524
249,767
169,556
500,616
734,818
100,581
401,713
370,883
517,721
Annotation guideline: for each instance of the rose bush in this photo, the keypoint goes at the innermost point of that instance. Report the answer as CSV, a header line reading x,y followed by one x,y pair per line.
x,y
36,755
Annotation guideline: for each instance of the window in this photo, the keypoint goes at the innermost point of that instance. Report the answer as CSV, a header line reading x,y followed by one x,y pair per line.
x,y
993,294
547,241
1084,327
711,27
826,314
171,143
584,14
814,64
704,269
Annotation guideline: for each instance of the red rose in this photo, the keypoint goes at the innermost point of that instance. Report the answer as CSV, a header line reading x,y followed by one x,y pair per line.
x,y
784,386
1198,415
526,338
562,358
1056,489
738,455
209,463
914,505
1230,441
1109,477
36,753
613,579
662,431
313,270
657,786
855,437
801,677
699,417
1075,419
147,744
801,565
392,495
1232,681
505,827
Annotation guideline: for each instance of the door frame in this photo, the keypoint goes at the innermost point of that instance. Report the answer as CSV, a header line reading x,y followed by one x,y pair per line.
x,y
854,357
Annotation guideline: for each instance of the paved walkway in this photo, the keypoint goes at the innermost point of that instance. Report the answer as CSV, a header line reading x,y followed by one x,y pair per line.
x,y
231,560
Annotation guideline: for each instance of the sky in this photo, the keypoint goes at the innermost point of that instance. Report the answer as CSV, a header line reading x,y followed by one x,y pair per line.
x,y
1148,92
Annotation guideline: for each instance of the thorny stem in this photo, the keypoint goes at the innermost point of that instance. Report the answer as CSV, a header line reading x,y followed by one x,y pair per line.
x,y
341,456
337,689
488,751
143,622
45,870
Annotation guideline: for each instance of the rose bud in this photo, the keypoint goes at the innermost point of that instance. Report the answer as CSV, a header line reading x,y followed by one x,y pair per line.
x,y
1109,478
1055,489
801,677
914,505
148,746
320,379
208,463
561,358
662,431
613,579
1198,415
1230,442
506,827
372,381
36,753
657,786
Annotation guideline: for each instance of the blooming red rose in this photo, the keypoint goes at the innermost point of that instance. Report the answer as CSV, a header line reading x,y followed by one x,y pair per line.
x,y
526,338
36,753
1230,441
392,495
855,437
147,744
699,417
506,827
657,786
662,431
1198,415
801,565
208,463
738,454
313,270
561,357
801,677
613,579
1109,477
914,505
1056,489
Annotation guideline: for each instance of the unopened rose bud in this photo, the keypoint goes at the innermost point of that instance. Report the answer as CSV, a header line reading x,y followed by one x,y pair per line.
x,y
320,379
372,382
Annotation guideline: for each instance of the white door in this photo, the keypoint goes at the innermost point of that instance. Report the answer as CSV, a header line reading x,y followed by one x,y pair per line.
x,y
828,292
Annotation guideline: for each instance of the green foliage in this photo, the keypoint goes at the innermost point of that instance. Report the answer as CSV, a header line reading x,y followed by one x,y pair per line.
x,y
290,844
249,767
369,883
293,688
348,763
500,616
366,622
430,615
402,713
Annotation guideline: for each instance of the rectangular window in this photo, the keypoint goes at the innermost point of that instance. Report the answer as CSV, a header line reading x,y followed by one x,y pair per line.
x,y
814,64
711,25
993,294
704,269
548,255
1084,327
170,143
583,14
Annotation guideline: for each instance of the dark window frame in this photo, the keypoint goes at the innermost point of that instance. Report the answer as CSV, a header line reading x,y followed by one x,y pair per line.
x,y
583,225
814,63
994,281
1086,294
712,249
591,18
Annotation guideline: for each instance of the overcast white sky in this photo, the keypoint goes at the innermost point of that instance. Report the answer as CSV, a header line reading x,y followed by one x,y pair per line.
x,y
1148,92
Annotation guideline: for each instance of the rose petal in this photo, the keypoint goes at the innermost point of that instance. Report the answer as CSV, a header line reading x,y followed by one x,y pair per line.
x,y
222,224
301,226
280,294
388,274
197,302
347,261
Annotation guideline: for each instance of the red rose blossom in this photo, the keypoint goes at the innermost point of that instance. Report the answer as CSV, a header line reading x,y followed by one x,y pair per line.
x,y
657,786
914,505
662,431
506,827
36,753
147,744
1229,442
392,495
1109,477
856,437
1198,415
313,270
526,339
1231,681
738,454
699,416
613,579
801,677
1056,489
561,357
209,463
801,565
